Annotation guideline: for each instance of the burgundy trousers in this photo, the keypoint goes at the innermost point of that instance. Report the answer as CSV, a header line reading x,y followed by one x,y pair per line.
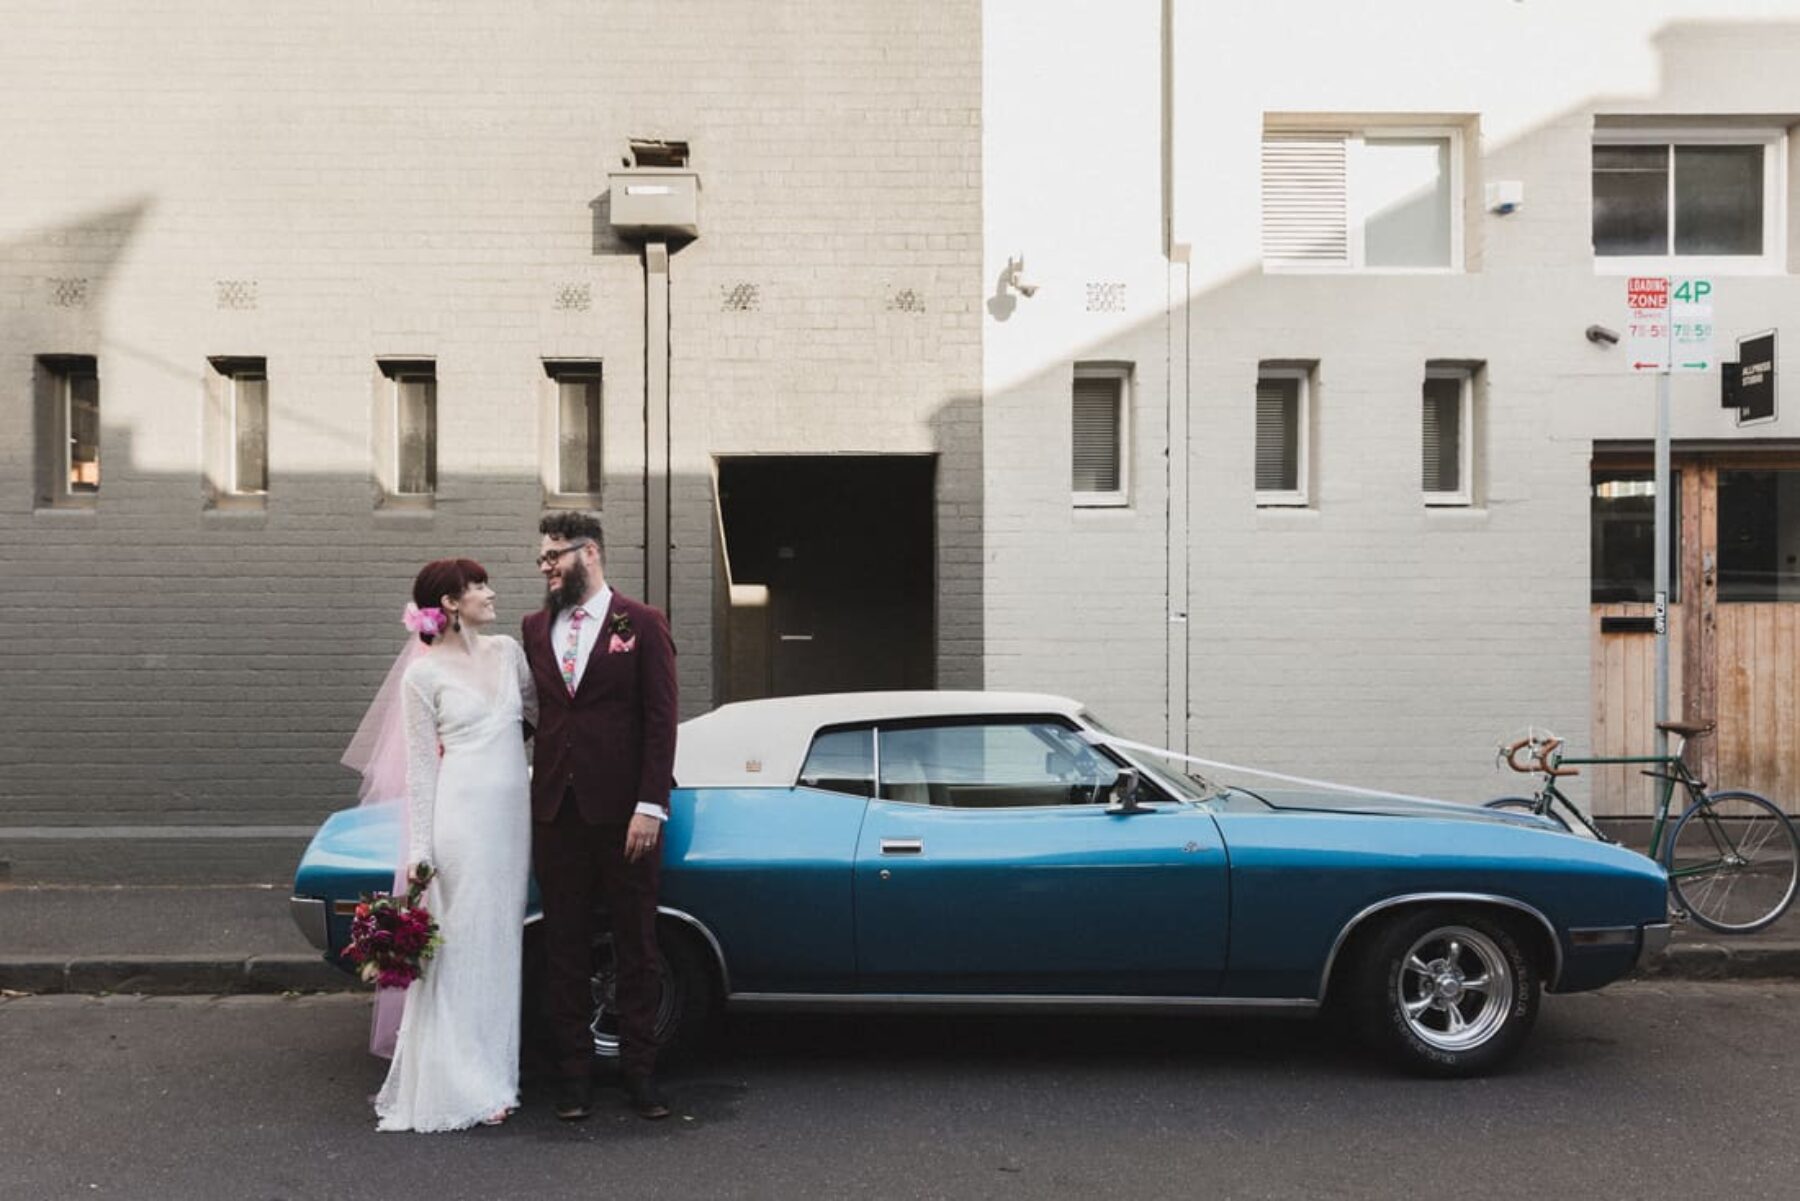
x,y
578,865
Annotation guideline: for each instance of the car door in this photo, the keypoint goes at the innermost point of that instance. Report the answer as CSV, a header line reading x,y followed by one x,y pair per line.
x,y
768,870
988,862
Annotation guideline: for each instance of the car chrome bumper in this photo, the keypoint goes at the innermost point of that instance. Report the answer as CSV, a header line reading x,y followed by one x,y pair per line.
x,y
310,913
1656,939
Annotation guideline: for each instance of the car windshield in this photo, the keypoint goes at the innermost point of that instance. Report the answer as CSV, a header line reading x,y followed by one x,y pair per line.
x,y
1186,785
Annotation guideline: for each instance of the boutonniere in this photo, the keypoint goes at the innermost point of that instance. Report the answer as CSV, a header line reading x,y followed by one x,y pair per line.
x,y
623,639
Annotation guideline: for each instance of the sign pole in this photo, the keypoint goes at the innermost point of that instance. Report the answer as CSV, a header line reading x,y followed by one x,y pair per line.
x,y
1660,580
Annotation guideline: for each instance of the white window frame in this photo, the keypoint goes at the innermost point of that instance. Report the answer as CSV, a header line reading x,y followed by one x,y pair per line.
x,y
1300,495
1356,213
1121,372
1773,259
236,487
1464,496
404,375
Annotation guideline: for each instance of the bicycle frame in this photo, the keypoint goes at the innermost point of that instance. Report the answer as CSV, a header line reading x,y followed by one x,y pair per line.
x,y
1676,773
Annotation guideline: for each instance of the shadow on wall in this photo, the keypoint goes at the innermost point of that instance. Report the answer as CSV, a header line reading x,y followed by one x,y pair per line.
x,y
1310,629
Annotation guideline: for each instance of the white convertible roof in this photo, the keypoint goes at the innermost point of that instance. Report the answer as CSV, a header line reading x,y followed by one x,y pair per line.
x,y
761,744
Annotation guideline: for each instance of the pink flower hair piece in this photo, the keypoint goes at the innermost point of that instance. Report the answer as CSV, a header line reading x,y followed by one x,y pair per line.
x,y
423,621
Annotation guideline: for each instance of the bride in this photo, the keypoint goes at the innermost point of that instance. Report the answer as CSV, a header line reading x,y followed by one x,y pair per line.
x,y
456,1060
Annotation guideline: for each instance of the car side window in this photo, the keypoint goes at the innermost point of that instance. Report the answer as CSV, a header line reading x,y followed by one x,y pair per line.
x,y
841,761
992,765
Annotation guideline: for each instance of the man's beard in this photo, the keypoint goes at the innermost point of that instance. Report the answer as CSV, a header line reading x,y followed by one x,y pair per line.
x,y
574,589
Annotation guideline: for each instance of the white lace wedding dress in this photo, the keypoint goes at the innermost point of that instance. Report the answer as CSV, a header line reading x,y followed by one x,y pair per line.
x,y
457,1056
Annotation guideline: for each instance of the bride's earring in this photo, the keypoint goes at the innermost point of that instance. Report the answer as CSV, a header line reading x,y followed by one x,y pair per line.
x,y
456,622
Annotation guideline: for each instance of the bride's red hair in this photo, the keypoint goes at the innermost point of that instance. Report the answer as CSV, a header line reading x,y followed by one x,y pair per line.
x,y
444,577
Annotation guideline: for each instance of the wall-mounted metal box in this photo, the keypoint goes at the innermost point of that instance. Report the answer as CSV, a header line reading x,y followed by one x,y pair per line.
x,y
655,202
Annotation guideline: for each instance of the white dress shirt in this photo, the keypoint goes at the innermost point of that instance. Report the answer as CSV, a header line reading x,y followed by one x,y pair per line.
x,y
597,607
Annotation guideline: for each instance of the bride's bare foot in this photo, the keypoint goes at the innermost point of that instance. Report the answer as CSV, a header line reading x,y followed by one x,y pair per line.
x,y
497,1117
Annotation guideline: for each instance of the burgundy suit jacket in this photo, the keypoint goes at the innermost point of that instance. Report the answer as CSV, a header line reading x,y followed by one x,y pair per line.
x,y
613,743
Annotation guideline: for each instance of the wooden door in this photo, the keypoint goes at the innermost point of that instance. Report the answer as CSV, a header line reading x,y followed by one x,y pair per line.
x,y
1734,658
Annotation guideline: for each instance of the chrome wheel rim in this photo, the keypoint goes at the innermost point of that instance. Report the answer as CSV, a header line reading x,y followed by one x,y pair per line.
x,y
1456,988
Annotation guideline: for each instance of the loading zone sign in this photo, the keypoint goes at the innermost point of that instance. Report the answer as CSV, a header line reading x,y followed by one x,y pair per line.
x,y
1670,324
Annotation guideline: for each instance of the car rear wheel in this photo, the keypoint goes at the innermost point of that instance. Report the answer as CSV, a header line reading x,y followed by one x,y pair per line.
x,y
1446,991
687,999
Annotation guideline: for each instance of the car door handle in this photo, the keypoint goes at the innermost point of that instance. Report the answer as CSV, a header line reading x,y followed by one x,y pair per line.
x,y
903,846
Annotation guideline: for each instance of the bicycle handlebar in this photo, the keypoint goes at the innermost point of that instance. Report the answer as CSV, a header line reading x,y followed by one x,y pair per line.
x,y
1540,761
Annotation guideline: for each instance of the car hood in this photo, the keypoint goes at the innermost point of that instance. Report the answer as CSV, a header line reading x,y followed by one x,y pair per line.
x,y
1285,800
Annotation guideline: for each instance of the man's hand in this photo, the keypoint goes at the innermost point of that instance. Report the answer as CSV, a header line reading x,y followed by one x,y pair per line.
x,y
641,836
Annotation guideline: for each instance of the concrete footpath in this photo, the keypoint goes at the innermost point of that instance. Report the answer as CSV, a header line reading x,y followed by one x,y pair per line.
x,y
238,938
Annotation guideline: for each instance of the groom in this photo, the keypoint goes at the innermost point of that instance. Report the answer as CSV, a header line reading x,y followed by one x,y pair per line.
x,y
603,757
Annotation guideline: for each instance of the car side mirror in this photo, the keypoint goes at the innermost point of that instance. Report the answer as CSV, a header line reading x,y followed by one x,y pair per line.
x,y
1125,793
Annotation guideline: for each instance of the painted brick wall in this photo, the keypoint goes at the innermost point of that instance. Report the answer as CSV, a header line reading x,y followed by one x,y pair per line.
x,y
340,183
1366,638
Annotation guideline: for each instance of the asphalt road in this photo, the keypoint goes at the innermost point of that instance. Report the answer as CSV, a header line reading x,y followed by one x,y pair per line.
x,y
1649,1089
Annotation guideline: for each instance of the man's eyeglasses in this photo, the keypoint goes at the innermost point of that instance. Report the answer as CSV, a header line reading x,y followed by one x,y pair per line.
x,y
550,557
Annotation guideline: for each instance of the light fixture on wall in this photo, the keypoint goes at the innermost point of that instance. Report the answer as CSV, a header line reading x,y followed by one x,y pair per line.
x,y
1016,279
1599,335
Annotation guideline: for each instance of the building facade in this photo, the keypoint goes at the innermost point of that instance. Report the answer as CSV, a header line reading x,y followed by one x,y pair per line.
x,y
1296,452
1226,369
294,303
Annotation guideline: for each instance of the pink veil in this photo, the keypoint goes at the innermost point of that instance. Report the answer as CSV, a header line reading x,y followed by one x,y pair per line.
x,y
377,751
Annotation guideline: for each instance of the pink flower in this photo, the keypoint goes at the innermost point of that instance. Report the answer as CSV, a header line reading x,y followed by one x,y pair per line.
x,y
423,621
620,645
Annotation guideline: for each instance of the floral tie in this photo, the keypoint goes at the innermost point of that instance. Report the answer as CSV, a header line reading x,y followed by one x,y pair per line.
x,y
572,648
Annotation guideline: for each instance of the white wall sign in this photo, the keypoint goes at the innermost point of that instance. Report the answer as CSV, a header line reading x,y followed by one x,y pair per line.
x,y
1691,326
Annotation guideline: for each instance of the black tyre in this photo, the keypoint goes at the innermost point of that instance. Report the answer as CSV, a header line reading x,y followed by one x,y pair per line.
x,y
1734,862
687,1008
1523,804
687,1003
1446,991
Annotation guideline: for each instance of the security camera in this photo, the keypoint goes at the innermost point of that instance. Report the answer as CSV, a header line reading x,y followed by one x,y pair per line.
x,y
1017,280
1599,335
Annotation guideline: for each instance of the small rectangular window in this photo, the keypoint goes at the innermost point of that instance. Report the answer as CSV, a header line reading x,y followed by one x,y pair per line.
x,y
236,430
1622,529
1759,536
68,427
574,419
250,432
407,430
1283,397
1448,439
1689,195
1100,417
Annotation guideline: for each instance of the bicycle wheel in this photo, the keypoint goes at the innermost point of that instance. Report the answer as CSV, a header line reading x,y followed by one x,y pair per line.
x,y
1524,804
1734,862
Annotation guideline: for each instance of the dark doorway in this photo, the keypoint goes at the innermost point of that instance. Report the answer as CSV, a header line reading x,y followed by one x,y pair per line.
x,y
827,574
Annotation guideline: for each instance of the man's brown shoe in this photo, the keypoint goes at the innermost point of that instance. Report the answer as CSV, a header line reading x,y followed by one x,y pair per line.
x,y
645,1097
574,1099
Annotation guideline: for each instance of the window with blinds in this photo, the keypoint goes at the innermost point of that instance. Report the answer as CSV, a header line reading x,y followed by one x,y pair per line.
x,y
1281,427
1306,199
1351,199
1445,445
1098,425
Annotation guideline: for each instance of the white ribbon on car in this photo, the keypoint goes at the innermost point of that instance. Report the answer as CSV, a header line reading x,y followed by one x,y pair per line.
x,y
1095,736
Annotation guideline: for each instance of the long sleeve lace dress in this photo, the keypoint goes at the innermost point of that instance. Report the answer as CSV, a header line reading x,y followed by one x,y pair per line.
x,y
456,1060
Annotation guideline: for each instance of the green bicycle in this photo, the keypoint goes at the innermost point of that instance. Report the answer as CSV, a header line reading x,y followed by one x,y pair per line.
x,y
1733,857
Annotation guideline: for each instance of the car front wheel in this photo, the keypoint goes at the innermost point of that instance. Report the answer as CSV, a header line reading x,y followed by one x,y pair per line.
x,y
1447,992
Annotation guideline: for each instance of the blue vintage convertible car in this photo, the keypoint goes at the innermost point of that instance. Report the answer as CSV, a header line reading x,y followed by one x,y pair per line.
x,y
999,851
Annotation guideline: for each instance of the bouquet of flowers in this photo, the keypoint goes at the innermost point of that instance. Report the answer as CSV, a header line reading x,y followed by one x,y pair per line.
x,y
392,937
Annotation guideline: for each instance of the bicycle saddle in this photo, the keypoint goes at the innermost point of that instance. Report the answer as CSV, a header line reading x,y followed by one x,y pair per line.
x,y
1686,729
